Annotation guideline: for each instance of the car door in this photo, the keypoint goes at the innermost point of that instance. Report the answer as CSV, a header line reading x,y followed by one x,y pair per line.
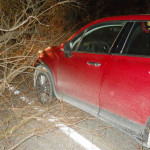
x,y
80,75
126,84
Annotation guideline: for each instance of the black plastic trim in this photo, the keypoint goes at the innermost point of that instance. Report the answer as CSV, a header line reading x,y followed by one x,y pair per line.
x,y
129,127
119,43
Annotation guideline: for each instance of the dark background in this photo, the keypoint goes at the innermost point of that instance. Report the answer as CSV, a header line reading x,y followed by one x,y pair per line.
x,y
101,8
91,10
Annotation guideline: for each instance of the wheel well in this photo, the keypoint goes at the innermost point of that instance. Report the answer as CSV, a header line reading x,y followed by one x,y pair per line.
x,y
48,70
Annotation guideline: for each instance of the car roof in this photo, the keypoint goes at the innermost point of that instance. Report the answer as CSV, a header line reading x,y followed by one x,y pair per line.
x,y
114,18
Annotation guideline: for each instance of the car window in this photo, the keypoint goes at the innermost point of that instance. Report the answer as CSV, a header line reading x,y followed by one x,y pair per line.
x,y
99,38
139,41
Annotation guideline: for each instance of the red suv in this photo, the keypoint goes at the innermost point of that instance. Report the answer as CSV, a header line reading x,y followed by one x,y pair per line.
x,y
104,69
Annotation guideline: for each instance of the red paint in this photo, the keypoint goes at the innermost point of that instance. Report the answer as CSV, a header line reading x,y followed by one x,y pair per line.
x,y
50,57
78,79
120,85
126,87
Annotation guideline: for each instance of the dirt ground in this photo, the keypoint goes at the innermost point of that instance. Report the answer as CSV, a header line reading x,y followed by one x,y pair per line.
x,y
27,125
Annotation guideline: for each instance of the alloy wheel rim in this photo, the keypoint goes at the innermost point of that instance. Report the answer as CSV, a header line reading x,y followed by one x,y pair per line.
x,y
43,88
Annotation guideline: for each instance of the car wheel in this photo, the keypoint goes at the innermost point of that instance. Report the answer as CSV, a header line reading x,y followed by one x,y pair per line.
x,y
44,87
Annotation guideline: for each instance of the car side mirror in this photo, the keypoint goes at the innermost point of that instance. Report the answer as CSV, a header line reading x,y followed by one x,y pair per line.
x,y
68,49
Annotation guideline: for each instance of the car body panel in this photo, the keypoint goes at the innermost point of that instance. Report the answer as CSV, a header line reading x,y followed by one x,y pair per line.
x,y
127,80
50,57
75,77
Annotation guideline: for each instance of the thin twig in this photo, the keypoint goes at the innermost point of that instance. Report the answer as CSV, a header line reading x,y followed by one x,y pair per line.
x,y
22,141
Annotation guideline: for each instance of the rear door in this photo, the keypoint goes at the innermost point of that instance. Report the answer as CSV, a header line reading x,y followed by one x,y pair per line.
x,y
126,84
80,75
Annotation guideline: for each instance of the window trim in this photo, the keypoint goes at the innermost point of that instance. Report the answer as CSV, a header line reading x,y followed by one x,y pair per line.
x,y
120,40
127,38
77,39
79,42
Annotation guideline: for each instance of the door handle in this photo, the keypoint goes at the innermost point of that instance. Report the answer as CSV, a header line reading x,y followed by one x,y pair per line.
x,y
94,64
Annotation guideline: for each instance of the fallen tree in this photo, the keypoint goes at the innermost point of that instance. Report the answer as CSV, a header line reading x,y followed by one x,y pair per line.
x,y
25,28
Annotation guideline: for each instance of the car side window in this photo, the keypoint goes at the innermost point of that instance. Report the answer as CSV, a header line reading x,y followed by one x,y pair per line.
x,y
99,38
139,41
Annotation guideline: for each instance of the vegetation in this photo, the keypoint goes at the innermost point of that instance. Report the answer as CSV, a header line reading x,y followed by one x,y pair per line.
x,y
25,28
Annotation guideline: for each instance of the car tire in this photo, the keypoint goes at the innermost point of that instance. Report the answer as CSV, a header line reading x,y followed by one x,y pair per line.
x,y
43,85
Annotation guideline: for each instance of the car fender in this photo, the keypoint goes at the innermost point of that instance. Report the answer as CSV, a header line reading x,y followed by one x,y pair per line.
x,y
48,60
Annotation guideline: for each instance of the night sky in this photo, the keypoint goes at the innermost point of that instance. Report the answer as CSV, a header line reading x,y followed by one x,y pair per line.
x,y
102,8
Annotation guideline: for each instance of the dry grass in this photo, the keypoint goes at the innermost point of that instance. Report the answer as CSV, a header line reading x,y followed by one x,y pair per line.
x,y
20,119
35,26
